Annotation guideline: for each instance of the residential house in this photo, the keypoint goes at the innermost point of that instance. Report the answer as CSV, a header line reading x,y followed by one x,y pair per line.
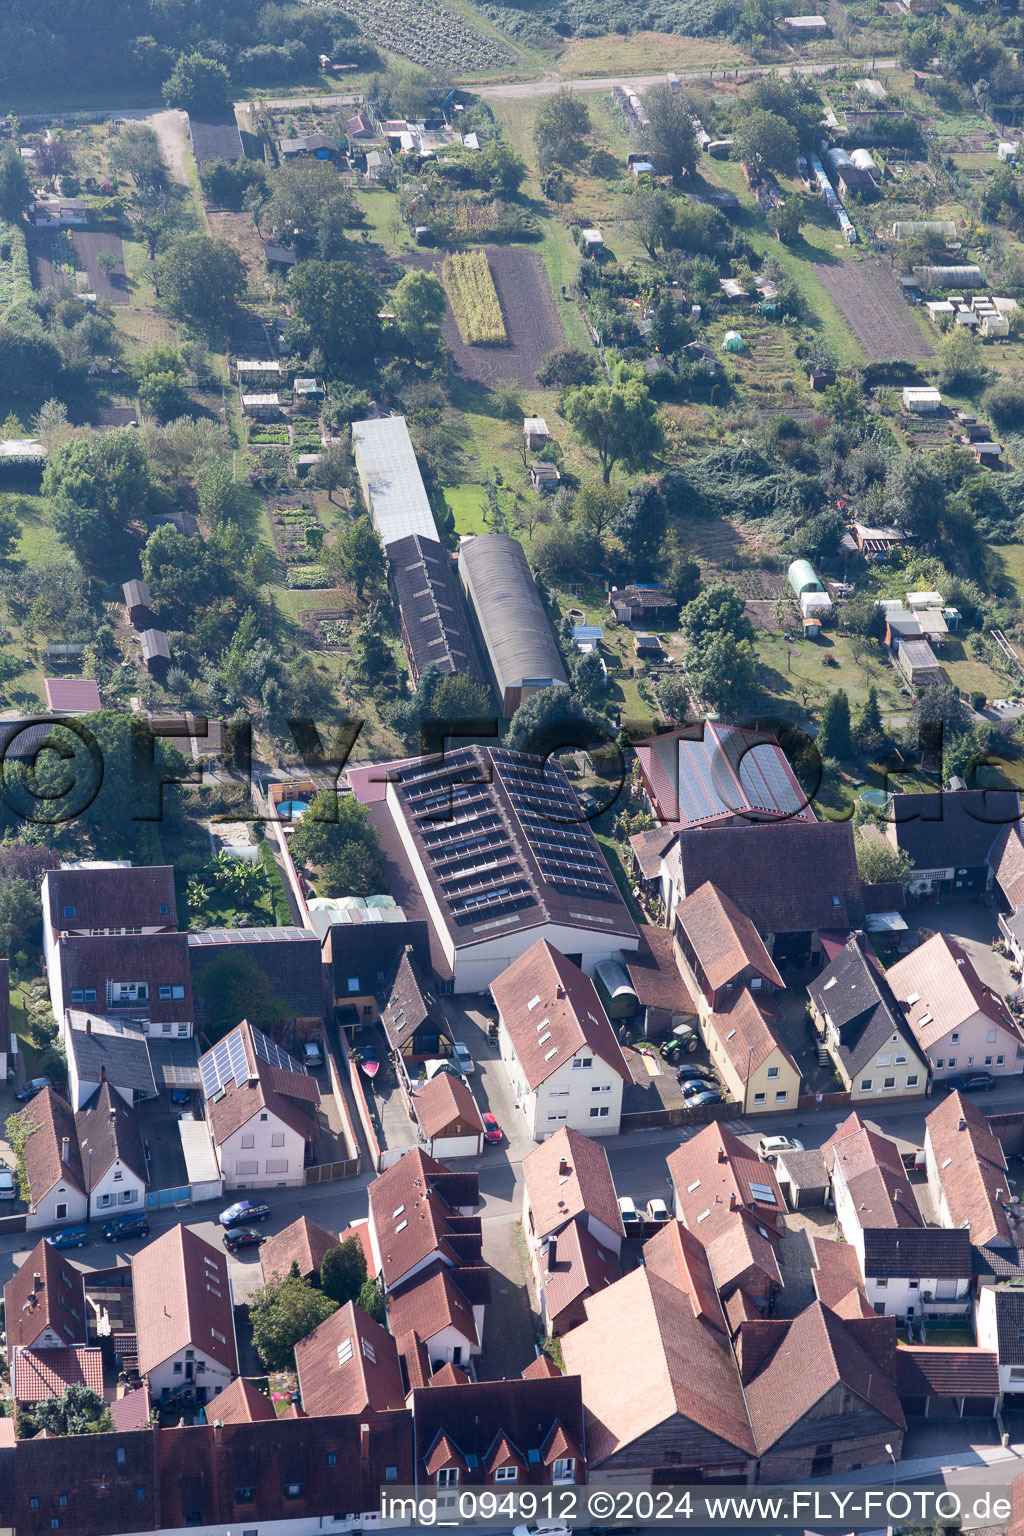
x,y
558,1046
554,885
434,1305
420,1211
111,1150
709,775
97,898
863,1027
999,1326
755,1066
572,1225
138,978
448,1117
349,1364
721,949
184,1317
47,1326
412,1017
45,1373
957,1020
949,835
53,1163
500,1433
719,1180
677,1414
821,1394
304,1243
361,949
112,1051
793,879
1006,860
262,1110
870,1186
287,961
966,1168
917,1271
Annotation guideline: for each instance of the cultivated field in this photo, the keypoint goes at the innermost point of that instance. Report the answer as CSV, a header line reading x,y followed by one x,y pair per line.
x,y
474,299
875,311
111,284
532,321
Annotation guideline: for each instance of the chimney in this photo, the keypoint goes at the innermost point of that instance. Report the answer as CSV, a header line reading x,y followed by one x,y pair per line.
x,y
723,1156
563,1168
559,990
37,1281
961,1124
103,1073
65,1146
364,1442
218,1431
88,1024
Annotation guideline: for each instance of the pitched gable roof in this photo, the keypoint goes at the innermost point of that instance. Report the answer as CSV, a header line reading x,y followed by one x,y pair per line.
x,y
854,993
723,939
39,1373
446,1104
837,1278
950,827
551,1010
349,1364
286,1092
568,1176
52,1154
118,896
935,1370
182,1299
940,990
412,1002
89,961
702,775
681,1259
47,1292
746,1036
575,1265
109,1050
938,1253
304,1242
786,876
971,1167
871,1165
413,1205
430,1302
108,1133
1006,860
243,1403
680,1366
487,1423
813,1353
714,1173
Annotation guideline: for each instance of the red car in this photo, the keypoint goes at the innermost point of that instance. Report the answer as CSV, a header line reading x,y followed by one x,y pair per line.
x,y
492,1130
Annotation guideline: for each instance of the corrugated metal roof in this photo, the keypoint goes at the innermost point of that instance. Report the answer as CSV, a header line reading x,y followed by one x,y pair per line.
x,y
391,480
516,631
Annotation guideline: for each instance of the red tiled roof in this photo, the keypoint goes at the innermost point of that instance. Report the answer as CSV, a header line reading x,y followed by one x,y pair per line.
x,y
54,1300
449,1376
111,898
746,1035
77,695
52,1154
736,1250
679,1367
879,1184
971,1167
724,941
303,1243
946,989
182,1299
458,1421
575,1266
935,1370
349,1364
679,1257
551,1010
133,1410
242,1403
541,1367
108,1129
429,1302
445,1107
654,972
837,1278
715,1172
411,1218
290,1096
39,1373
160,959
566,1176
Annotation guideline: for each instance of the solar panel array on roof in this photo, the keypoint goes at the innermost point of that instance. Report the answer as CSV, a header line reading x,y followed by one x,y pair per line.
x,y
551,817
229,1062
724,775
215,936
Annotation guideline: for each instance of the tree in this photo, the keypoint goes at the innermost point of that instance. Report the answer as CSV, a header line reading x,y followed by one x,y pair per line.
x,y
338,307
343,1271
357,553
332,471
29,359
1004,403
765,142
878,862
787,218
371,1299
15,187
281,1313
669,138
588,676
201,279
716,610
619,421
641,527
552,718
959,362
560,128
648,214
136,151
668,328
915,494
232,988
834,739
311,208
77,1411
97,487
596,507
868,730
160,375
198,84
418,304
674,697
565,552
566,367
724,673
336,835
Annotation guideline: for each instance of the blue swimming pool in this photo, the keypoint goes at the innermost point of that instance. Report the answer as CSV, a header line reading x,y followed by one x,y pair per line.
x,y
875,796
291,810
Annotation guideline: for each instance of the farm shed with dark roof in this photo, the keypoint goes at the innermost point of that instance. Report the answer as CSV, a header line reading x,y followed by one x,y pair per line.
x,y
516,630
431,609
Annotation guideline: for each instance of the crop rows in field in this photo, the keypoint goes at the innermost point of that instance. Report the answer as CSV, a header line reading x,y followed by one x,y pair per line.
x,y
474,299
429,34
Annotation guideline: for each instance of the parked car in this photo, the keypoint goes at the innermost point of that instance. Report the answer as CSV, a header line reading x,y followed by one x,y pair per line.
x,y
968,1082
32,1087
244,1211
242,1237
312,1055
694,1085
552,1528
708,1097
769,1147
463,1057
8,1183
181,1097
631,1218
71,1237
123,1227
492,1130
694,1069
657,1210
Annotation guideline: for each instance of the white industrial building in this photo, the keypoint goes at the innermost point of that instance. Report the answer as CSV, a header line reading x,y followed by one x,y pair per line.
x,y
391,482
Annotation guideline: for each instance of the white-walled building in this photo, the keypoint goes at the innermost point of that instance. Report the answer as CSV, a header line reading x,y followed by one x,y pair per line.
x,y
958,1021
107,1051
113,1159
917,1271
262,1110
557,1045
184,1316
870,1186
53,1163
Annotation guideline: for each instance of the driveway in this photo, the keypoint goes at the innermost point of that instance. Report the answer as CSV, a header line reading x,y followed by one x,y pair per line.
x,y
972,925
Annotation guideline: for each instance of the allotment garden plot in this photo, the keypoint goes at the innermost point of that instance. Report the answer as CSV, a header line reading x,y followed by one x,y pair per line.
x,y
875,310
72,251
531,317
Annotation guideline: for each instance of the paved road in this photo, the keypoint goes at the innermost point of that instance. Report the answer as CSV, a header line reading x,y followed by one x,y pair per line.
x,y
550,84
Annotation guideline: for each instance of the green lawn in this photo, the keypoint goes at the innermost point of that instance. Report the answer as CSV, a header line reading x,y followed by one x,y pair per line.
x,y
468,504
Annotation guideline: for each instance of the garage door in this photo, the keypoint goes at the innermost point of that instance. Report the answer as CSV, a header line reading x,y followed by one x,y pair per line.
x,y
446,1147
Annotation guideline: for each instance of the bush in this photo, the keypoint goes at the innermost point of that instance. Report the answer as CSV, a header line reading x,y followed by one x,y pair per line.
x,y
1004,402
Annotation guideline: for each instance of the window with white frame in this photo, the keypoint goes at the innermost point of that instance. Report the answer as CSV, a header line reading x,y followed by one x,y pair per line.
x,y
448,1477
991,1037
506,1474
773,1072
865,1085
781,1096
759,1098
564,1469
600,1112
583,1063
913,1080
